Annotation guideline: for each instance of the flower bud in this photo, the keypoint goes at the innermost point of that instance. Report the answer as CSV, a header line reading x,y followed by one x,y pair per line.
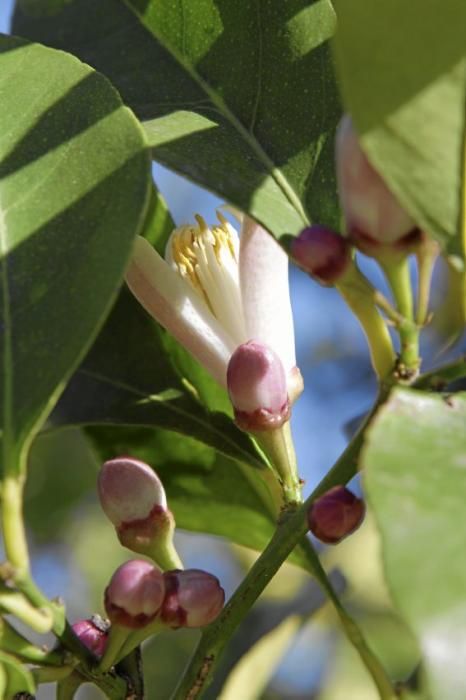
x,y
93,633
133,498
134,595
193,598
335,515
257,387
373,214
322,253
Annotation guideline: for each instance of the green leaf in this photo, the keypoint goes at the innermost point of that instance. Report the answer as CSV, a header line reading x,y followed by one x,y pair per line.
x,y
415,476
239,97
253,672
74,179
127,379
403,74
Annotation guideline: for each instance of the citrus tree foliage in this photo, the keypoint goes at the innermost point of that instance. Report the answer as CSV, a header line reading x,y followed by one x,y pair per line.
x,y
243,98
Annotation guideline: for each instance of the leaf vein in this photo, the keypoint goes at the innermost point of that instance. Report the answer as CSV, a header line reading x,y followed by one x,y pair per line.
x,y
248,458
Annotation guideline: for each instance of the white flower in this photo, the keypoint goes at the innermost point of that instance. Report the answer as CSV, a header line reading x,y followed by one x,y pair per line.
x,y
215,291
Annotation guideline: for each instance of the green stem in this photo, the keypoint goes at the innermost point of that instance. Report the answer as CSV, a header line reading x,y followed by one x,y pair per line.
x,y
14,535
136,637
14,642
117,637
350,627
13,602
16,549
52,674
166,556
279,448
359,294
131,668
426,257
68,687
291,531
399,278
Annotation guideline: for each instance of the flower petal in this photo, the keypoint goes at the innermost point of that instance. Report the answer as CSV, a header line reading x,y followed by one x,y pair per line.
x,y
265,292
178,308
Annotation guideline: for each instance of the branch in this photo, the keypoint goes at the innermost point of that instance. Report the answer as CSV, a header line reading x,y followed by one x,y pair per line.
x,y
291,531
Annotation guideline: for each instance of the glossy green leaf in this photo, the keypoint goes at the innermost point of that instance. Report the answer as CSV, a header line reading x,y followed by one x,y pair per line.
x,y
415,477
239,97
74,179
403,73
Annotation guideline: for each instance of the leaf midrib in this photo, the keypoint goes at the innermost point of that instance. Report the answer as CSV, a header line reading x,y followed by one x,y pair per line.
x,y
7,345
248,458
280,179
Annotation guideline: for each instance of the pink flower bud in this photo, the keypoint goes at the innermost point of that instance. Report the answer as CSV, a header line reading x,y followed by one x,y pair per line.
x,y
133,498
135,593
129,490
193,598
335,515
322,253
92,633
257,387
372,212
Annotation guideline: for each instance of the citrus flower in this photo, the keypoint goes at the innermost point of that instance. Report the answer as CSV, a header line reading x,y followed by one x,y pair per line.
x,y
215,291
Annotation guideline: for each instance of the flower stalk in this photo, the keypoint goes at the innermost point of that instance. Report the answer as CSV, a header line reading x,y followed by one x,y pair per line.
x,y
359,294
279,448
398,276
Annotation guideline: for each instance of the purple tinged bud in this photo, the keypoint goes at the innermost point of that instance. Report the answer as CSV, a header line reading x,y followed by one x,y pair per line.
x,y
135,594
373,214
93,633
129,490
335,515
257,387
133,498
322,253
193,598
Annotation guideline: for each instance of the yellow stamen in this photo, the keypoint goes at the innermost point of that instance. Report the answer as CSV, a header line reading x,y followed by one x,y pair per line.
x,y
207,258
188,241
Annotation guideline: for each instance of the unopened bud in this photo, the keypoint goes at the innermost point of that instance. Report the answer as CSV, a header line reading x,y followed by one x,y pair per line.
x,y
373,214
135,594
257,387
93,633
335,515
193,598
133,498
129,490
322,253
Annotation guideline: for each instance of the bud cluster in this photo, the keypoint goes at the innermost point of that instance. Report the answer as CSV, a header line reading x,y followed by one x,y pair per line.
x,y
139,592
142,597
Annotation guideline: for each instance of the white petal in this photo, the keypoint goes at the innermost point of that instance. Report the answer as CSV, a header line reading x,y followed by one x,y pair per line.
x,y
177,307
265,292
207,258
